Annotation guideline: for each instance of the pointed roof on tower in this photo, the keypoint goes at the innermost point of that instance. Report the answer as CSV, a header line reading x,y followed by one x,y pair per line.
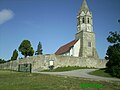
x,y
84,6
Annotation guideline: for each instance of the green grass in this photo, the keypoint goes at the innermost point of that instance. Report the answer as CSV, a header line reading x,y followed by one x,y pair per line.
x,y
100,72
10,80
69,68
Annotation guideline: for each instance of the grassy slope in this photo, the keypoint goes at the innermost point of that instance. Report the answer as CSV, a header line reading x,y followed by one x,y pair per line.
x,y
61,69
100,72
10,80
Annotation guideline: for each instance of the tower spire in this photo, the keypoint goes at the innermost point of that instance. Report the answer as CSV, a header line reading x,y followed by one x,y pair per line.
x,y
84,6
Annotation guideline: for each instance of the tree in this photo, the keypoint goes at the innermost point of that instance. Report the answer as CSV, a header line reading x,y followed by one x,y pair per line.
x,y
15,55
113,54
119,20
39,49
31,52
26,49
2,61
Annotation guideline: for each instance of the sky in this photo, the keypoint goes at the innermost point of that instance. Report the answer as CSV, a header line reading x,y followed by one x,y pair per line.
x,y
53,23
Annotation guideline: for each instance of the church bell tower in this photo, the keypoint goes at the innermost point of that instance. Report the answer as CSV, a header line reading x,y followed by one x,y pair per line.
x,y
84,19
85,32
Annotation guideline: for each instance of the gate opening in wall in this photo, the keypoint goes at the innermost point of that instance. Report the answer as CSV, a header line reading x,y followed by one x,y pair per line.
x,y
24,68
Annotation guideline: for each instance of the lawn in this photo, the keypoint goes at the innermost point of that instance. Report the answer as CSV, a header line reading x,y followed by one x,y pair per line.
x,y
69,68
101,72
10,80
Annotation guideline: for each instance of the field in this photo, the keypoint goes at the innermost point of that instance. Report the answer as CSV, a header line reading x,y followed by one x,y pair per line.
x,y
10,80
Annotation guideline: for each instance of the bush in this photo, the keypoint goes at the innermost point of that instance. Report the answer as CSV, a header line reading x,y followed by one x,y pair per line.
x,y
116,71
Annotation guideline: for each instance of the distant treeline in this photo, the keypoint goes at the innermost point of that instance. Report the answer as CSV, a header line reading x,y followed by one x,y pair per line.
x,y
2,61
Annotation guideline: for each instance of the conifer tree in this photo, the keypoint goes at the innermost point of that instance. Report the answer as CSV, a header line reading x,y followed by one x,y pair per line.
x,y
15,55
39,49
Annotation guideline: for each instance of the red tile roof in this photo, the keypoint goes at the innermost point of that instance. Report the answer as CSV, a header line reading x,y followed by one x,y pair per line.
x,y
65,48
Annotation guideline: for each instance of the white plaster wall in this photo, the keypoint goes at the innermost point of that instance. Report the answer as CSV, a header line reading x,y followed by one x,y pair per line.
x,y
72,51
76,48
66,54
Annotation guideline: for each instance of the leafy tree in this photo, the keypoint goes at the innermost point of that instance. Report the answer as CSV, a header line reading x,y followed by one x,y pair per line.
x,y
15,55
31,52
39,49
113,54
114,38
119,20
2,61
26,49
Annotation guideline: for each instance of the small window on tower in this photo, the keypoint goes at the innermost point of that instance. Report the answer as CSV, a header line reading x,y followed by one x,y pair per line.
x,y
83,20
88,20
89,44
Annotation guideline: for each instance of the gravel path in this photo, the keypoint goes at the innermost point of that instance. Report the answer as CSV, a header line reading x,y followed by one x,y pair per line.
x,y
81,73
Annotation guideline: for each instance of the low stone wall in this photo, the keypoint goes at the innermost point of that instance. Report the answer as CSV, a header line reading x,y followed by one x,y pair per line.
x,y
41,62
12,65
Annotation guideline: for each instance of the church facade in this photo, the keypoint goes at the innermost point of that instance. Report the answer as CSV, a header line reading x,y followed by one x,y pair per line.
x,y
84,44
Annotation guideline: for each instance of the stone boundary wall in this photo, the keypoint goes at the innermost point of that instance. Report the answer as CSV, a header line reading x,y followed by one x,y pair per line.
x,y
41,62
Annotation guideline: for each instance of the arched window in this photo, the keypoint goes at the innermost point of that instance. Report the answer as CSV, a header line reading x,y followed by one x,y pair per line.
x,y
88,20
83,20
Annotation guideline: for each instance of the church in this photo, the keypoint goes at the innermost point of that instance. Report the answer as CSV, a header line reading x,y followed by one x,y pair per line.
x,y
84,43
81,51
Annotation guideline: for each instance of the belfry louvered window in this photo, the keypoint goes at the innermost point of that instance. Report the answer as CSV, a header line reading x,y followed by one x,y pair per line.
x,y
83,20
88,20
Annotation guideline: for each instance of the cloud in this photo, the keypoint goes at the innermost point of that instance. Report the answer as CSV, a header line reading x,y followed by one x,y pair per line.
x,y
6,15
